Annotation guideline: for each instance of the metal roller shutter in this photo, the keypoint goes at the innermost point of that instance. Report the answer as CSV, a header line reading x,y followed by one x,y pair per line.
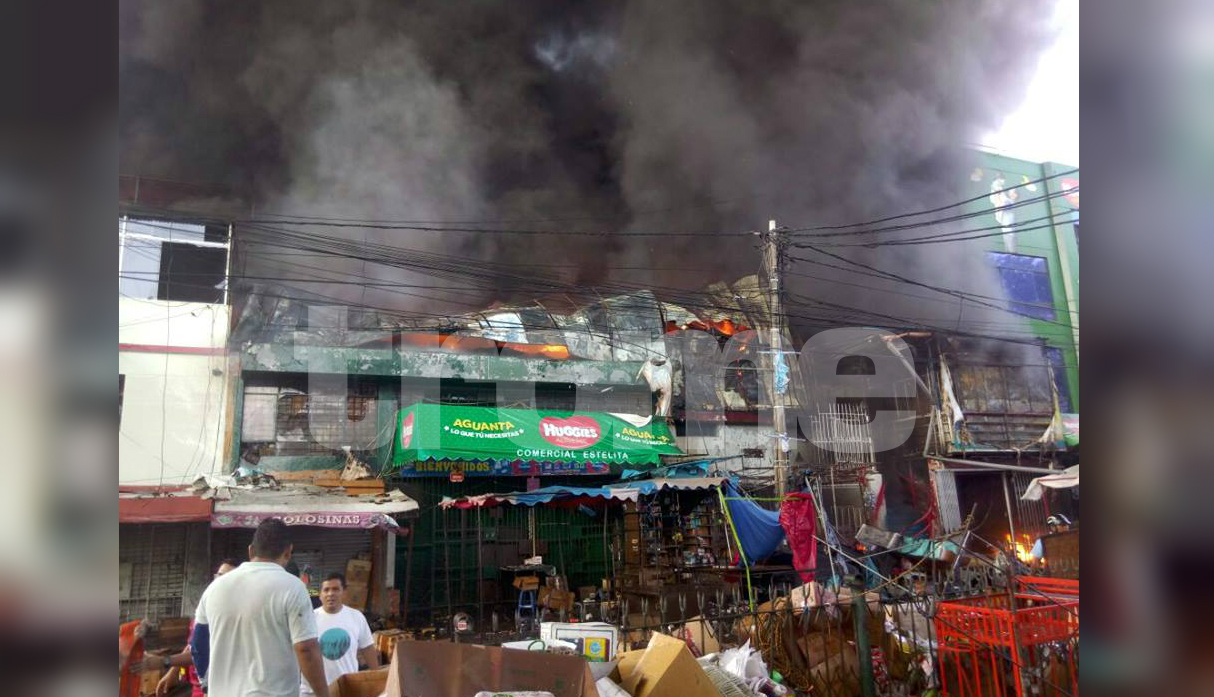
x,y
156,555
326,550
323,550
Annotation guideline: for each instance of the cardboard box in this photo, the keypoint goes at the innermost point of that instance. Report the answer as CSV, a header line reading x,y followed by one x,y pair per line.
x,y
587,592
358,571
599,641
667,669
356,595
838,674
700,633
527,583
366,683
444,669
636,619
625,663
556,599
385,641
818,646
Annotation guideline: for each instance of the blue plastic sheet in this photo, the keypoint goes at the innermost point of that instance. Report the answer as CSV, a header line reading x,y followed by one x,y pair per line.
x,y
758,529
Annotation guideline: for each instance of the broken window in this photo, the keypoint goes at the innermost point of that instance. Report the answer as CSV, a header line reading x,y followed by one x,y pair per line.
x,y
290,421
172,260
1026,283
741,378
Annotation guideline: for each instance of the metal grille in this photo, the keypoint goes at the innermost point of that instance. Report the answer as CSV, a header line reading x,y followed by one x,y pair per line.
x,y
157,555
841,435
946,498
321,423
1030,515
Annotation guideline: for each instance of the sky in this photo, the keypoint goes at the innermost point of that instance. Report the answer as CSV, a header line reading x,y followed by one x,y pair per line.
x,y
1046,127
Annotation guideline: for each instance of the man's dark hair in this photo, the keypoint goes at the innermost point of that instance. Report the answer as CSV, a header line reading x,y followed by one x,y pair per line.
x,y
337,576
230,561
271,539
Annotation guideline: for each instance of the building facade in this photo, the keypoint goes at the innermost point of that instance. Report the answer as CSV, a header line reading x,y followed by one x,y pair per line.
x,y
174,408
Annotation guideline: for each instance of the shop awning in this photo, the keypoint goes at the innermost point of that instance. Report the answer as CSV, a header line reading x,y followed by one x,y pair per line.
x,y
572,495
246,508
155,505
434,439
1065,479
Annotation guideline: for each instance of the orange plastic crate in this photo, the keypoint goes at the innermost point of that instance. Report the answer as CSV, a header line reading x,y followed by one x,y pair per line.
x,y
989,647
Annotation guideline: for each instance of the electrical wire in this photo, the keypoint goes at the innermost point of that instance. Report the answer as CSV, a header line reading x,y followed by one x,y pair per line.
x,y
938,209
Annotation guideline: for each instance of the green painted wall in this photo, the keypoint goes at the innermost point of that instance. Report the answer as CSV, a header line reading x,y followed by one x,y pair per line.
x,y
1053,238
291,358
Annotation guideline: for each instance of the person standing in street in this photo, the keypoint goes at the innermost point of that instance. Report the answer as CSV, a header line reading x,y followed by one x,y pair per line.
x,y
254,631
345,636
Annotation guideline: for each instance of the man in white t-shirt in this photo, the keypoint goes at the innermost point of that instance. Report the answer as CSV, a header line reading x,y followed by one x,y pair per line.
x,y
254,631
345,636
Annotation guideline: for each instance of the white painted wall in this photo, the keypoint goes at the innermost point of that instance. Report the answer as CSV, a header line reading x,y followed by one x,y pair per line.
x,y
175,403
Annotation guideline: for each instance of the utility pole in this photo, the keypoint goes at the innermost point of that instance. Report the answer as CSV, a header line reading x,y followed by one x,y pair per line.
x,y
772,262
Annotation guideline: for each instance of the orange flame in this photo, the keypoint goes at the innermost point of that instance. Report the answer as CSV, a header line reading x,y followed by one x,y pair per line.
x,y
1023,547
726,327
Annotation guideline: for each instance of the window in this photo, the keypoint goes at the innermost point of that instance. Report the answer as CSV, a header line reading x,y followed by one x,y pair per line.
x,y
297,423
1026,283
170,260
1058,366
1003,389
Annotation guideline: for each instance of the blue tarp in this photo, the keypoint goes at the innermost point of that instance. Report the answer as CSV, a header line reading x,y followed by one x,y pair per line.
x,y
758,529
549,493
623,491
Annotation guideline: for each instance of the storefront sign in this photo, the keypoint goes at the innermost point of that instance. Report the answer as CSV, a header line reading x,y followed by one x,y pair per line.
x,y
436,439
223,519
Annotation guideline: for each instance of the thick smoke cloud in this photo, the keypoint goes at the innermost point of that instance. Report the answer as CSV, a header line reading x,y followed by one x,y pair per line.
x,y
600,116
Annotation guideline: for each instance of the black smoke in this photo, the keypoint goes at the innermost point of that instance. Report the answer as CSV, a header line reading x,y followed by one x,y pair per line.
x,y
667,116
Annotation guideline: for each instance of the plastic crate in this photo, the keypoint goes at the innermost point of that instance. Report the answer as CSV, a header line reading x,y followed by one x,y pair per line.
x,y
987,646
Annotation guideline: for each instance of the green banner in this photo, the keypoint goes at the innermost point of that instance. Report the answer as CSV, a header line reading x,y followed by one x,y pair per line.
x,y
492,442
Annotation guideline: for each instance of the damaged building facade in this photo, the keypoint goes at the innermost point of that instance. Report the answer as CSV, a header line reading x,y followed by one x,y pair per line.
x,y
174,406
322,389
291,393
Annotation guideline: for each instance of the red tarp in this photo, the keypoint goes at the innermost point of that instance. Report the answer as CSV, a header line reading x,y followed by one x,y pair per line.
x,y
162,508
797,518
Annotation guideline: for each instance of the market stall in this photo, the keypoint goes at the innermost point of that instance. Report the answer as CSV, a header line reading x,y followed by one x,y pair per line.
x,y
354,535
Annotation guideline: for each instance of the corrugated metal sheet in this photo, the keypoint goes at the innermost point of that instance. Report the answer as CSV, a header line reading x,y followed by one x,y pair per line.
x,y
946,497
322,550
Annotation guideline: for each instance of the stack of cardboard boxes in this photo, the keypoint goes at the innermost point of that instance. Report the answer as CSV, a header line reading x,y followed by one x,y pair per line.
x,y
358,579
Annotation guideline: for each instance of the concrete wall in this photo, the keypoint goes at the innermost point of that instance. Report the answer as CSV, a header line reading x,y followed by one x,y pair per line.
x,y
172,358
731,440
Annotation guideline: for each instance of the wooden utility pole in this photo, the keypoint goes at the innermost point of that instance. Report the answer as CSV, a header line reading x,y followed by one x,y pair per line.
x,y
772,262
